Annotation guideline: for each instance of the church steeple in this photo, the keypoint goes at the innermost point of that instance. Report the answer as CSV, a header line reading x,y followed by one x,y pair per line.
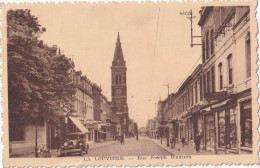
x,y
118,55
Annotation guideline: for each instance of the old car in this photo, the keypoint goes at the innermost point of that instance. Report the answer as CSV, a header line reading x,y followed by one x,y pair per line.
x,y
75,143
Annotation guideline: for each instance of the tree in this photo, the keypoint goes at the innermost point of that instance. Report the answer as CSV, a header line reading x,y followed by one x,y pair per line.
x,y
36,74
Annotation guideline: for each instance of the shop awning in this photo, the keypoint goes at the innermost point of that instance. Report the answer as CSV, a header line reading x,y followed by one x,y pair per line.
x,y
102,132
79,125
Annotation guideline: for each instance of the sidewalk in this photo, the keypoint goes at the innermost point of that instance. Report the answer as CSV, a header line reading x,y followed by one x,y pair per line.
x,y
179,150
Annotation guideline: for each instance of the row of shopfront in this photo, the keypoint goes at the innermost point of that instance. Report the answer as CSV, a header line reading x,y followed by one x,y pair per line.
x,y
223,121
96,131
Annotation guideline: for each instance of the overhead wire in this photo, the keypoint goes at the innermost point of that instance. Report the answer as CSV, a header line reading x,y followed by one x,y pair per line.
x,y
155,47
186,76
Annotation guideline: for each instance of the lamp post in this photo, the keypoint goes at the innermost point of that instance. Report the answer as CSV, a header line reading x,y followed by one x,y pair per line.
x,y
161,133
36,110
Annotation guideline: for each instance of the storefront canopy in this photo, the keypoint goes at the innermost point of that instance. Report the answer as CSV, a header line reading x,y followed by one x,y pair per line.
x,y
79,125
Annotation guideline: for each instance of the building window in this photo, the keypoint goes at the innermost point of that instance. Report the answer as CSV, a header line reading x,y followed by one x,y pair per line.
x,y
182,103
204,85
196,93
220,76
191,96
208,82
230,68
16,129
119,79
203,51
213,79
201,88
116,79
212,41
248,56
207,45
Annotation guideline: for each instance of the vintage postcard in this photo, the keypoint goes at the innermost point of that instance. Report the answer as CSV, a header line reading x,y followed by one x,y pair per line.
x,y
128,84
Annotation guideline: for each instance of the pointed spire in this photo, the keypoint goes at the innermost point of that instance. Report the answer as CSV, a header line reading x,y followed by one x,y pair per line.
x,y
118,39
118,55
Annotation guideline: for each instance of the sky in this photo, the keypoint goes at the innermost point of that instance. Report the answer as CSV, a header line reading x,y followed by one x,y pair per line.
x,y
88,32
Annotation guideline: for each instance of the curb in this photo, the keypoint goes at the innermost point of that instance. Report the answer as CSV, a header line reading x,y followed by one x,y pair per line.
x,y
164,147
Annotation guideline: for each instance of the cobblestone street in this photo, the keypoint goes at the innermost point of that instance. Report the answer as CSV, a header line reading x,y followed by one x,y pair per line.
x,y
131,147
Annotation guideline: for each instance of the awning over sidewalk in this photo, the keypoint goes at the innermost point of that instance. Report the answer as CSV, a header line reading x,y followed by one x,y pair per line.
x,y
79,125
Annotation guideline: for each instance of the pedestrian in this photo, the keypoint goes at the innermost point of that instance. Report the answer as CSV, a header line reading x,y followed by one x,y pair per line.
x,y
197,141
57,140
137,137
183,141
122,139
171,142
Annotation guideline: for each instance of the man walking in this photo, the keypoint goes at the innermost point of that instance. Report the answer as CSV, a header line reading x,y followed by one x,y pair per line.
x,y
122,139
197,141
183,141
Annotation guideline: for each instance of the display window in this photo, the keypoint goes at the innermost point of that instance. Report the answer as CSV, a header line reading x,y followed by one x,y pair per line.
x,y
209,124
246,124
221,128
232,130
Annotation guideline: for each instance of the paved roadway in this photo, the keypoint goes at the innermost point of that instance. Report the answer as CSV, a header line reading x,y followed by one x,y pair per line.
x,y
131,147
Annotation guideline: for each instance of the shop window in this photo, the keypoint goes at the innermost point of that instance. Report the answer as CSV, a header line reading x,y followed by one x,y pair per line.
x,y
221,129
210,134
230,69
232,129
246,124
248,56
220,76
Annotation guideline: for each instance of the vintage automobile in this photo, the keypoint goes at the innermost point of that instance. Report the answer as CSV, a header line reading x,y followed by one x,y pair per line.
x,y
76,143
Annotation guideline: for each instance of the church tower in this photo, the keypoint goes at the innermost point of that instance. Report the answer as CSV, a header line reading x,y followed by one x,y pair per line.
x,y
119,88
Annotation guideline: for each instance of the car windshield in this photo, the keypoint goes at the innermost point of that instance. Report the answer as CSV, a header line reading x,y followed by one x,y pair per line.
x,y
75,136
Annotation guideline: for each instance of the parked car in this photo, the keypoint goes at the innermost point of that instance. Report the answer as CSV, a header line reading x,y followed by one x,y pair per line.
x,y
76,143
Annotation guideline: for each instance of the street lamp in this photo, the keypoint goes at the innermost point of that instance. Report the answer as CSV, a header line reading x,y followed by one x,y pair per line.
x,y
36,110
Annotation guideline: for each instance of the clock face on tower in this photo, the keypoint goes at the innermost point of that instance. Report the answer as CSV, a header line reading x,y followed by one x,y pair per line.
x,y
118,91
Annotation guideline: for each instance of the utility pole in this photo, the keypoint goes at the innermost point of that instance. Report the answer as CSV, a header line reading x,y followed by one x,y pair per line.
x,y
190,17
168,87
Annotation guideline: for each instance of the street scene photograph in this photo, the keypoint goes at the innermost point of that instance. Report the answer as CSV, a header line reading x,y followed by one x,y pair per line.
x,y
114,80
